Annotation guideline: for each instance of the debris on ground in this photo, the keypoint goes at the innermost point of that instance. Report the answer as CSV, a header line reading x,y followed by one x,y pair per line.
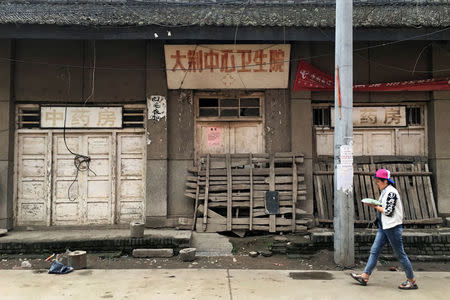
x,y
59,268
253,253
25,264
266,253
187,254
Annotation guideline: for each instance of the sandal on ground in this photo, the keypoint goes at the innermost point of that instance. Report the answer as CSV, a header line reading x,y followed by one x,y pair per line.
x,y
359,278
408,285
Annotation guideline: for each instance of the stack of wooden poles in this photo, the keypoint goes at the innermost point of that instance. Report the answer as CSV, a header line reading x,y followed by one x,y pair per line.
x,y
230,192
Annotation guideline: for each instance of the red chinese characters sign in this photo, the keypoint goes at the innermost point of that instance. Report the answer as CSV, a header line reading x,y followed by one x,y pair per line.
x,y
227,66
312,79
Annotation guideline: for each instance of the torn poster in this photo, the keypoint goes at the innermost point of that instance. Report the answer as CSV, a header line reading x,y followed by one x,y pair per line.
x,y
214,137
344,178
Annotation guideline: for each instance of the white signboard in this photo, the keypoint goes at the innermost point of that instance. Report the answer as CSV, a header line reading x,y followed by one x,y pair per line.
x,y
157,107
81,117
377,116
227,66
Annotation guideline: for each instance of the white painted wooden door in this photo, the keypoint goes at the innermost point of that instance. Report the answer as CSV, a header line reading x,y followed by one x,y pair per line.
x,y
131,170
33,180
230,137
45,172
89,199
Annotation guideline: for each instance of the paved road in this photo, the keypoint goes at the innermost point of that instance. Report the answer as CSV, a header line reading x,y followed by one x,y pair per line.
x,y
213,284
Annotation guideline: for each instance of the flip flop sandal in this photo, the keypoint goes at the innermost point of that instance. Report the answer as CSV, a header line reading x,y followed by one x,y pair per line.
x,y
407,285
359,278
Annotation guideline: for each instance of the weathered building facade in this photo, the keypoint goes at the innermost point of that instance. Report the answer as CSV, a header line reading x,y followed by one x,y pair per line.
x,y
142,89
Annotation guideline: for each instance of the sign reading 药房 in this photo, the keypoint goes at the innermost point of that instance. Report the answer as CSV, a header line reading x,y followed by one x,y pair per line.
x,y
377,116
227,66
81,117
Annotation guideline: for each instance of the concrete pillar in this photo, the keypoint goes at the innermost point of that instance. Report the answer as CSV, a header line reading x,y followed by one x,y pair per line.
x,y
301,126
6,136
439,110
156,84
439,128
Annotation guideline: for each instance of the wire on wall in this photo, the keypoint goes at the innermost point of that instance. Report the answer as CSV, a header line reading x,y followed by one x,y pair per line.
x,y
81,162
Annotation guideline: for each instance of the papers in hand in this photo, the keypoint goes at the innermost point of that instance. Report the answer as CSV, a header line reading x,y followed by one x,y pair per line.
x,y
371,201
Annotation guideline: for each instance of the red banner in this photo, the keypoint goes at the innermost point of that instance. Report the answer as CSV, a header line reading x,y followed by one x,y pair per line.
x,y
310,78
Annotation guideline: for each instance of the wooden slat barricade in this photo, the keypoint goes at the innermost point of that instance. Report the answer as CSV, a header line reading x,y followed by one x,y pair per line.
x,y
230,190
413,181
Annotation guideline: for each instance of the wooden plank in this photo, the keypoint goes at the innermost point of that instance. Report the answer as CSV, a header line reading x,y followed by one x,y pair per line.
x,y
272,218
212,214
318,192
197,192
245,172
403,191
246,204
229,193
364,194
409,194
251,192
413,191
205,211
329,193
358,197
369,173
294,192
431,202
421,194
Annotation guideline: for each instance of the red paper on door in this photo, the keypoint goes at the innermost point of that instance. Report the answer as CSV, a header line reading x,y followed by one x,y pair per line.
x,y
214,137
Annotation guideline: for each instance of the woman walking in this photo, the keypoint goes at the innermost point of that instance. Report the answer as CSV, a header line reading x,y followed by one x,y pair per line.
x,y
390,219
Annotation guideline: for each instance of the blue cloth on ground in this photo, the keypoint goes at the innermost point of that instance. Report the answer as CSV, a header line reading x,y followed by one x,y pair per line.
x,y
59,268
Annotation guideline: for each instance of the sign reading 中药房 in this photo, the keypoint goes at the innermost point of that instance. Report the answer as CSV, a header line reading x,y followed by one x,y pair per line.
x,y
81,117
227,66
377,116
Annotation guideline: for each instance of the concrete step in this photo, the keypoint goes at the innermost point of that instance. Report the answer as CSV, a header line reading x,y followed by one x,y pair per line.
x,y
92,240
211,244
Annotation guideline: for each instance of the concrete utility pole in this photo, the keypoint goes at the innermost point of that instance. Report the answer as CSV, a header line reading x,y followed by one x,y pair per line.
x,y
344,254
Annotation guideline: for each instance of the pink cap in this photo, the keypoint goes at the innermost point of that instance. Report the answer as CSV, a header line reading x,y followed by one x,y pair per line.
x,y
384,174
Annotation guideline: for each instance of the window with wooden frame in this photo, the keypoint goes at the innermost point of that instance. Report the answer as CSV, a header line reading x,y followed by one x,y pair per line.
x,y
414,115
229,108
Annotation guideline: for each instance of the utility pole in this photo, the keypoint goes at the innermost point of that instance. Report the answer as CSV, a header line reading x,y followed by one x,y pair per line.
x,y
344,254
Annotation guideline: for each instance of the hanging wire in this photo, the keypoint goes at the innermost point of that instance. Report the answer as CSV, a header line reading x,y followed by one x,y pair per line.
x,y
81,162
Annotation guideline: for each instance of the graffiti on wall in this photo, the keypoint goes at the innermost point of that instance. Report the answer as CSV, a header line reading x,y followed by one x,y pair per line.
x,y
157,107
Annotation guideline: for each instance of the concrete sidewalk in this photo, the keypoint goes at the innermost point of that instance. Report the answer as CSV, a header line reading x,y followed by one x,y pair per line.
x,y
214,284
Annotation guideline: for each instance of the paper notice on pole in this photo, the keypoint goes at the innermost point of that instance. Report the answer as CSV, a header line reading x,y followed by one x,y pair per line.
x,y
346,154
344,176
214,137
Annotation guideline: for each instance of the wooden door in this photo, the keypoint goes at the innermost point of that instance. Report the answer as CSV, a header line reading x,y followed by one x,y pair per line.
x,y
229,137
131,174
33,179
87,198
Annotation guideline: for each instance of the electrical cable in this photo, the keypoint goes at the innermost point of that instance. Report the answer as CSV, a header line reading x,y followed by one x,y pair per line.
x,y
250,65
81,162
78,161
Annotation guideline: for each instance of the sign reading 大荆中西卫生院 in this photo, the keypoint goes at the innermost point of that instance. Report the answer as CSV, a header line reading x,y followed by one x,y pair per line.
x,y
81,117
227,66
377,116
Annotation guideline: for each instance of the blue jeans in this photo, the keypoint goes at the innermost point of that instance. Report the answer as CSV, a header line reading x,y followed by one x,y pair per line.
x,y
394,236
